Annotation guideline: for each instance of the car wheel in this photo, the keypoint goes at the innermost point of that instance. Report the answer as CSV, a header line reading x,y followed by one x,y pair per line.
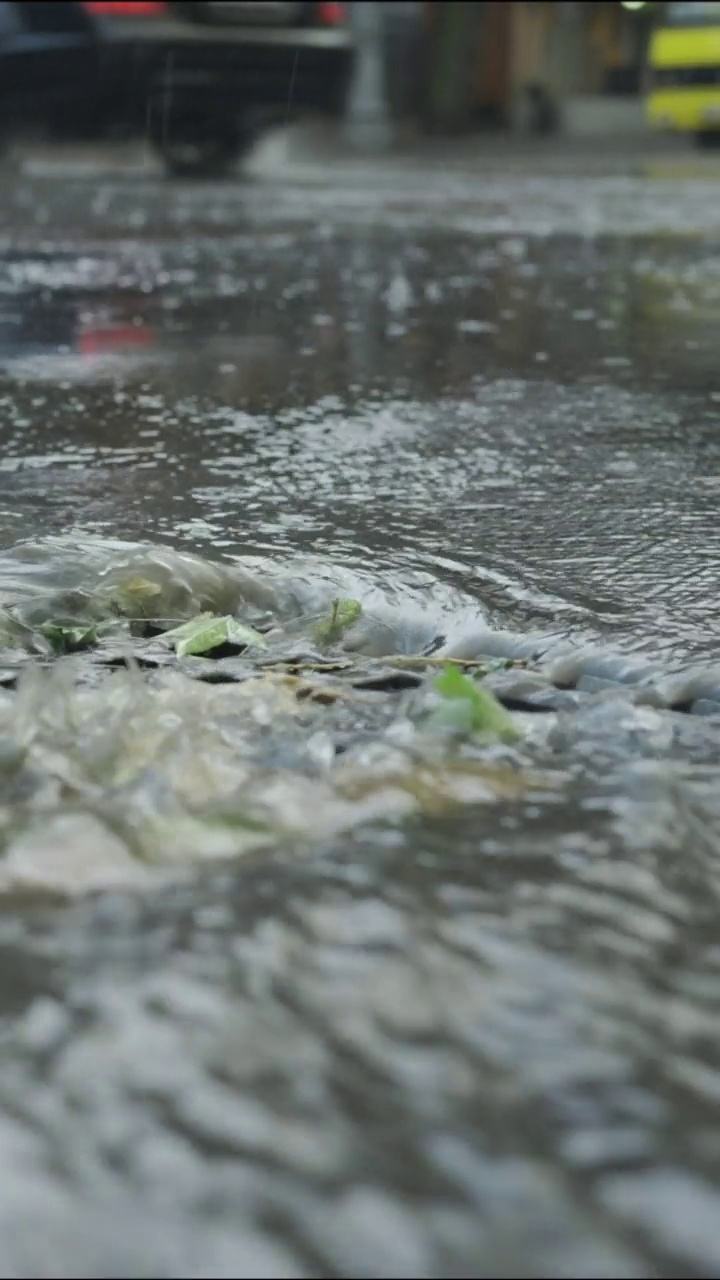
x,y
709,139
201,149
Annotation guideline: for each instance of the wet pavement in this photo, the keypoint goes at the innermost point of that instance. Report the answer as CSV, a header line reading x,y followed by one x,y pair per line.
x,y
470,1033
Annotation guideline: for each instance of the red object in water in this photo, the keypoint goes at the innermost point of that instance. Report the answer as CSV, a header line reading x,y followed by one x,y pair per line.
x,y
96,341
332,13
117,9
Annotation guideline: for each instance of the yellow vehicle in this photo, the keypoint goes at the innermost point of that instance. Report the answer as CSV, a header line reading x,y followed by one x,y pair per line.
x,y
683,74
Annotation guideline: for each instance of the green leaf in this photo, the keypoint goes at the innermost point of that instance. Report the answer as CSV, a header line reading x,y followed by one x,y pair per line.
x,y
343,614
68,637
134,597
239,633
207,632
468,708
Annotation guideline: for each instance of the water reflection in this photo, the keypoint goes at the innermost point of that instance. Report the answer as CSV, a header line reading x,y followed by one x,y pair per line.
x,y
367,307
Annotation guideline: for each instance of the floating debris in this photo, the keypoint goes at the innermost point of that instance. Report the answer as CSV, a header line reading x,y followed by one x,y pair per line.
x,y
466,708
170,712
207,633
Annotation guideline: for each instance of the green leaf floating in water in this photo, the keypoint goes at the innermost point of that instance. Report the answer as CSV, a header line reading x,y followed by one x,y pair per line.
x,y
67,637
342,615
133,597
207,632
468,708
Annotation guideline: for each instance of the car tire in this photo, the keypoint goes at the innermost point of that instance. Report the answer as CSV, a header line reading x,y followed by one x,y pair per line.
x,y
201,149
708,139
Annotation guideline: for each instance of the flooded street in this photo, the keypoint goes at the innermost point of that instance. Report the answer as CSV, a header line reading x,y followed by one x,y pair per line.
x,y
294,984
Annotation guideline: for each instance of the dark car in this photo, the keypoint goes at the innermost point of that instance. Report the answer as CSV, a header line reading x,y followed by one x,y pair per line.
x,y
199,80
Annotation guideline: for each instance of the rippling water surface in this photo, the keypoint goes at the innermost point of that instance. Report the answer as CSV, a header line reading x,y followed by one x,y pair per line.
x,y
287,988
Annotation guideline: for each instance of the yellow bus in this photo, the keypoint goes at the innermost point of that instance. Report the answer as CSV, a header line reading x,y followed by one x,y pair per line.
x,y
683,73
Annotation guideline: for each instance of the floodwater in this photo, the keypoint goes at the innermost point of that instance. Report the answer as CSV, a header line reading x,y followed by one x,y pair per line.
x,y
426,1009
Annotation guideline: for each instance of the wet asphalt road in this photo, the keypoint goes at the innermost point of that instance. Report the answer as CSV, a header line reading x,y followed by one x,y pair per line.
x,y
472,1045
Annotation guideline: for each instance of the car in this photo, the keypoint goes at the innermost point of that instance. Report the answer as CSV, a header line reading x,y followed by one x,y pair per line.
x,y
683,73
198,80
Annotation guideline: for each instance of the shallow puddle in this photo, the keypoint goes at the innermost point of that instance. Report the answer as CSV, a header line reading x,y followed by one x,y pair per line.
x,y
304,970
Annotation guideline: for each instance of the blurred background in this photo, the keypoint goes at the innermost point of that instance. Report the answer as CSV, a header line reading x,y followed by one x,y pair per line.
x,y
202,82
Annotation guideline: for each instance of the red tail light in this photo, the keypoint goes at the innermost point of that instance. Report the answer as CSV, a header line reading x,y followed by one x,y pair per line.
x,y
332,13
116,9
95,342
